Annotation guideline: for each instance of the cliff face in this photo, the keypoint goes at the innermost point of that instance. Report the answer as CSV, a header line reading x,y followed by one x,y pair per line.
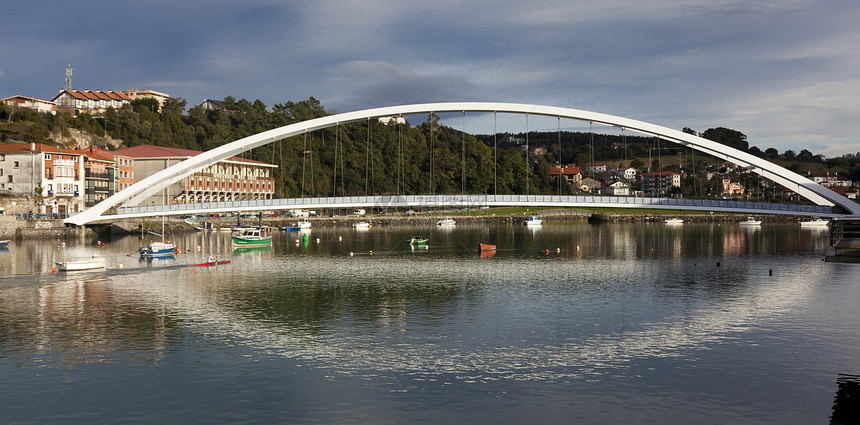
x,y
77,139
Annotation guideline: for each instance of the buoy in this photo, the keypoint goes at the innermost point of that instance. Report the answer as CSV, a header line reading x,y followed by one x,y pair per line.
x,y
351,254
558,250
547,252
54,270
371,252
318,240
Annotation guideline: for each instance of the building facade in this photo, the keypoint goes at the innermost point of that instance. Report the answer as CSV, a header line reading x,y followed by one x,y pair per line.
x,y
233,179
570,173
89,101
659,183
27,102
51,179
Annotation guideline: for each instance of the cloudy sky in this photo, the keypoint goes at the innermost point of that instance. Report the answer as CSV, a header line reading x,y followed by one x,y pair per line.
x,y
784,72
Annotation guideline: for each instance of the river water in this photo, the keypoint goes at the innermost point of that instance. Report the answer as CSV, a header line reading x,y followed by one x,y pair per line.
x,y
567,323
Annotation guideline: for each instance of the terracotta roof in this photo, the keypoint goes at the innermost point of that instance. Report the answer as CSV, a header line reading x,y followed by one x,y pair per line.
x,y
150,151
661,173
572,170
100,95
25,147
97,153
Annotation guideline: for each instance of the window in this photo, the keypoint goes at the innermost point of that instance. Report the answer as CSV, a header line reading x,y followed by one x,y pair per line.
x,y
47,157
10,178
15,164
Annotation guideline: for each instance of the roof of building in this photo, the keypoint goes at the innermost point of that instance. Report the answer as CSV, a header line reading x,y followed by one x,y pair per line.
x,y
661,173
38,147
94,95
21,96
151,151
569,170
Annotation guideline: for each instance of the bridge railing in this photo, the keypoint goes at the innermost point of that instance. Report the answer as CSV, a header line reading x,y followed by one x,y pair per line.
x,y
455,200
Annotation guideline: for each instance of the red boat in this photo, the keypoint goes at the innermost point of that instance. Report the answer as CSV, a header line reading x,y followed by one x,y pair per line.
x,y
486,247
210,264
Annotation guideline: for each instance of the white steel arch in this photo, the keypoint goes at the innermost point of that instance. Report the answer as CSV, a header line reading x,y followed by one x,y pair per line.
x,y
158,181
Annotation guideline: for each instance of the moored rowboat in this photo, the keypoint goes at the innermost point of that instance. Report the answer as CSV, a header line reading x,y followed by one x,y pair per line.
x,y
486,247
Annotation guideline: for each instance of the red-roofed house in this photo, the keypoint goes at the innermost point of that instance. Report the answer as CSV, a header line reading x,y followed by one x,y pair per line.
x,y
25,167
570,173
27,102
233,179
89,101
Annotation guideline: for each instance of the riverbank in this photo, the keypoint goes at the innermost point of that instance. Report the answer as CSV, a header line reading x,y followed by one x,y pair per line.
x,y
463,218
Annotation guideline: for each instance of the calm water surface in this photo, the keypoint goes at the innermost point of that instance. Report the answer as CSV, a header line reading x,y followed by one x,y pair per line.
x,y
569,323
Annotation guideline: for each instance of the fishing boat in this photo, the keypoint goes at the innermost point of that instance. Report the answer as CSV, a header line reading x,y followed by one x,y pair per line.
x,y
361,225
486,247
533,221
446,222
750,221
88,264
158,249
4,243
418,241
816,222
251,237
674,220
303,224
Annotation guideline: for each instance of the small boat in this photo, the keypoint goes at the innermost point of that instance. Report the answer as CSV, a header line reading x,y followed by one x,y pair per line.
x,y
446,222
816,222
418,240
251,237
158,249
210,263
361,225
486,247
303,224
674,220
533,221
290,228
88,264
750,222
4,243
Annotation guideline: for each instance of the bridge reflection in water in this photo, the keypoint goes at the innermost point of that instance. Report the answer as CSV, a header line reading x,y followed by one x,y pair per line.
x,y
475,201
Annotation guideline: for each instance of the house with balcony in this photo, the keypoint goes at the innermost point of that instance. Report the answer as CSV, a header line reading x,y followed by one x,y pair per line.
x,y
232,179
93,102
50,179
99,175
32,103
659,183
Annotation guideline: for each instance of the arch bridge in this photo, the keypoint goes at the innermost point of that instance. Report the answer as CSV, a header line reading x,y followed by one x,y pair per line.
x,y
827,201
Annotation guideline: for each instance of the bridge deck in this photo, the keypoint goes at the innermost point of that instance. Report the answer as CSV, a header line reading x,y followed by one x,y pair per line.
x,y
475,201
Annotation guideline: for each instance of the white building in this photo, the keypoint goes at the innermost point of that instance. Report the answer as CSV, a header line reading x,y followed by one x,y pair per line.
x,y
27,102
620,189
51,179
89,101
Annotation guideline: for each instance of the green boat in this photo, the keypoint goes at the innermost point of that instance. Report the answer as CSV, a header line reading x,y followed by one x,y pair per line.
x,y
418,240
251,237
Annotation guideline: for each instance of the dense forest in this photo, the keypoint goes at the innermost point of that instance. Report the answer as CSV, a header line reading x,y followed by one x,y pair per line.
x,y
372,157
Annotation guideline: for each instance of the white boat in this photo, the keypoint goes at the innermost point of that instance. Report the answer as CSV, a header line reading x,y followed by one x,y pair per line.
x,y
750,222
158,249
674,221
361,225
533,221
816,222
446,222
88,264
303,224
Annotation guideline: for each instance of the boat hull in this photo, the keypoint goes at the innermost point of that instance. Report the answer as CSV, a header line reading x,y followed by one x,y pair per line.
x,y
239,241
91,264
486,247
